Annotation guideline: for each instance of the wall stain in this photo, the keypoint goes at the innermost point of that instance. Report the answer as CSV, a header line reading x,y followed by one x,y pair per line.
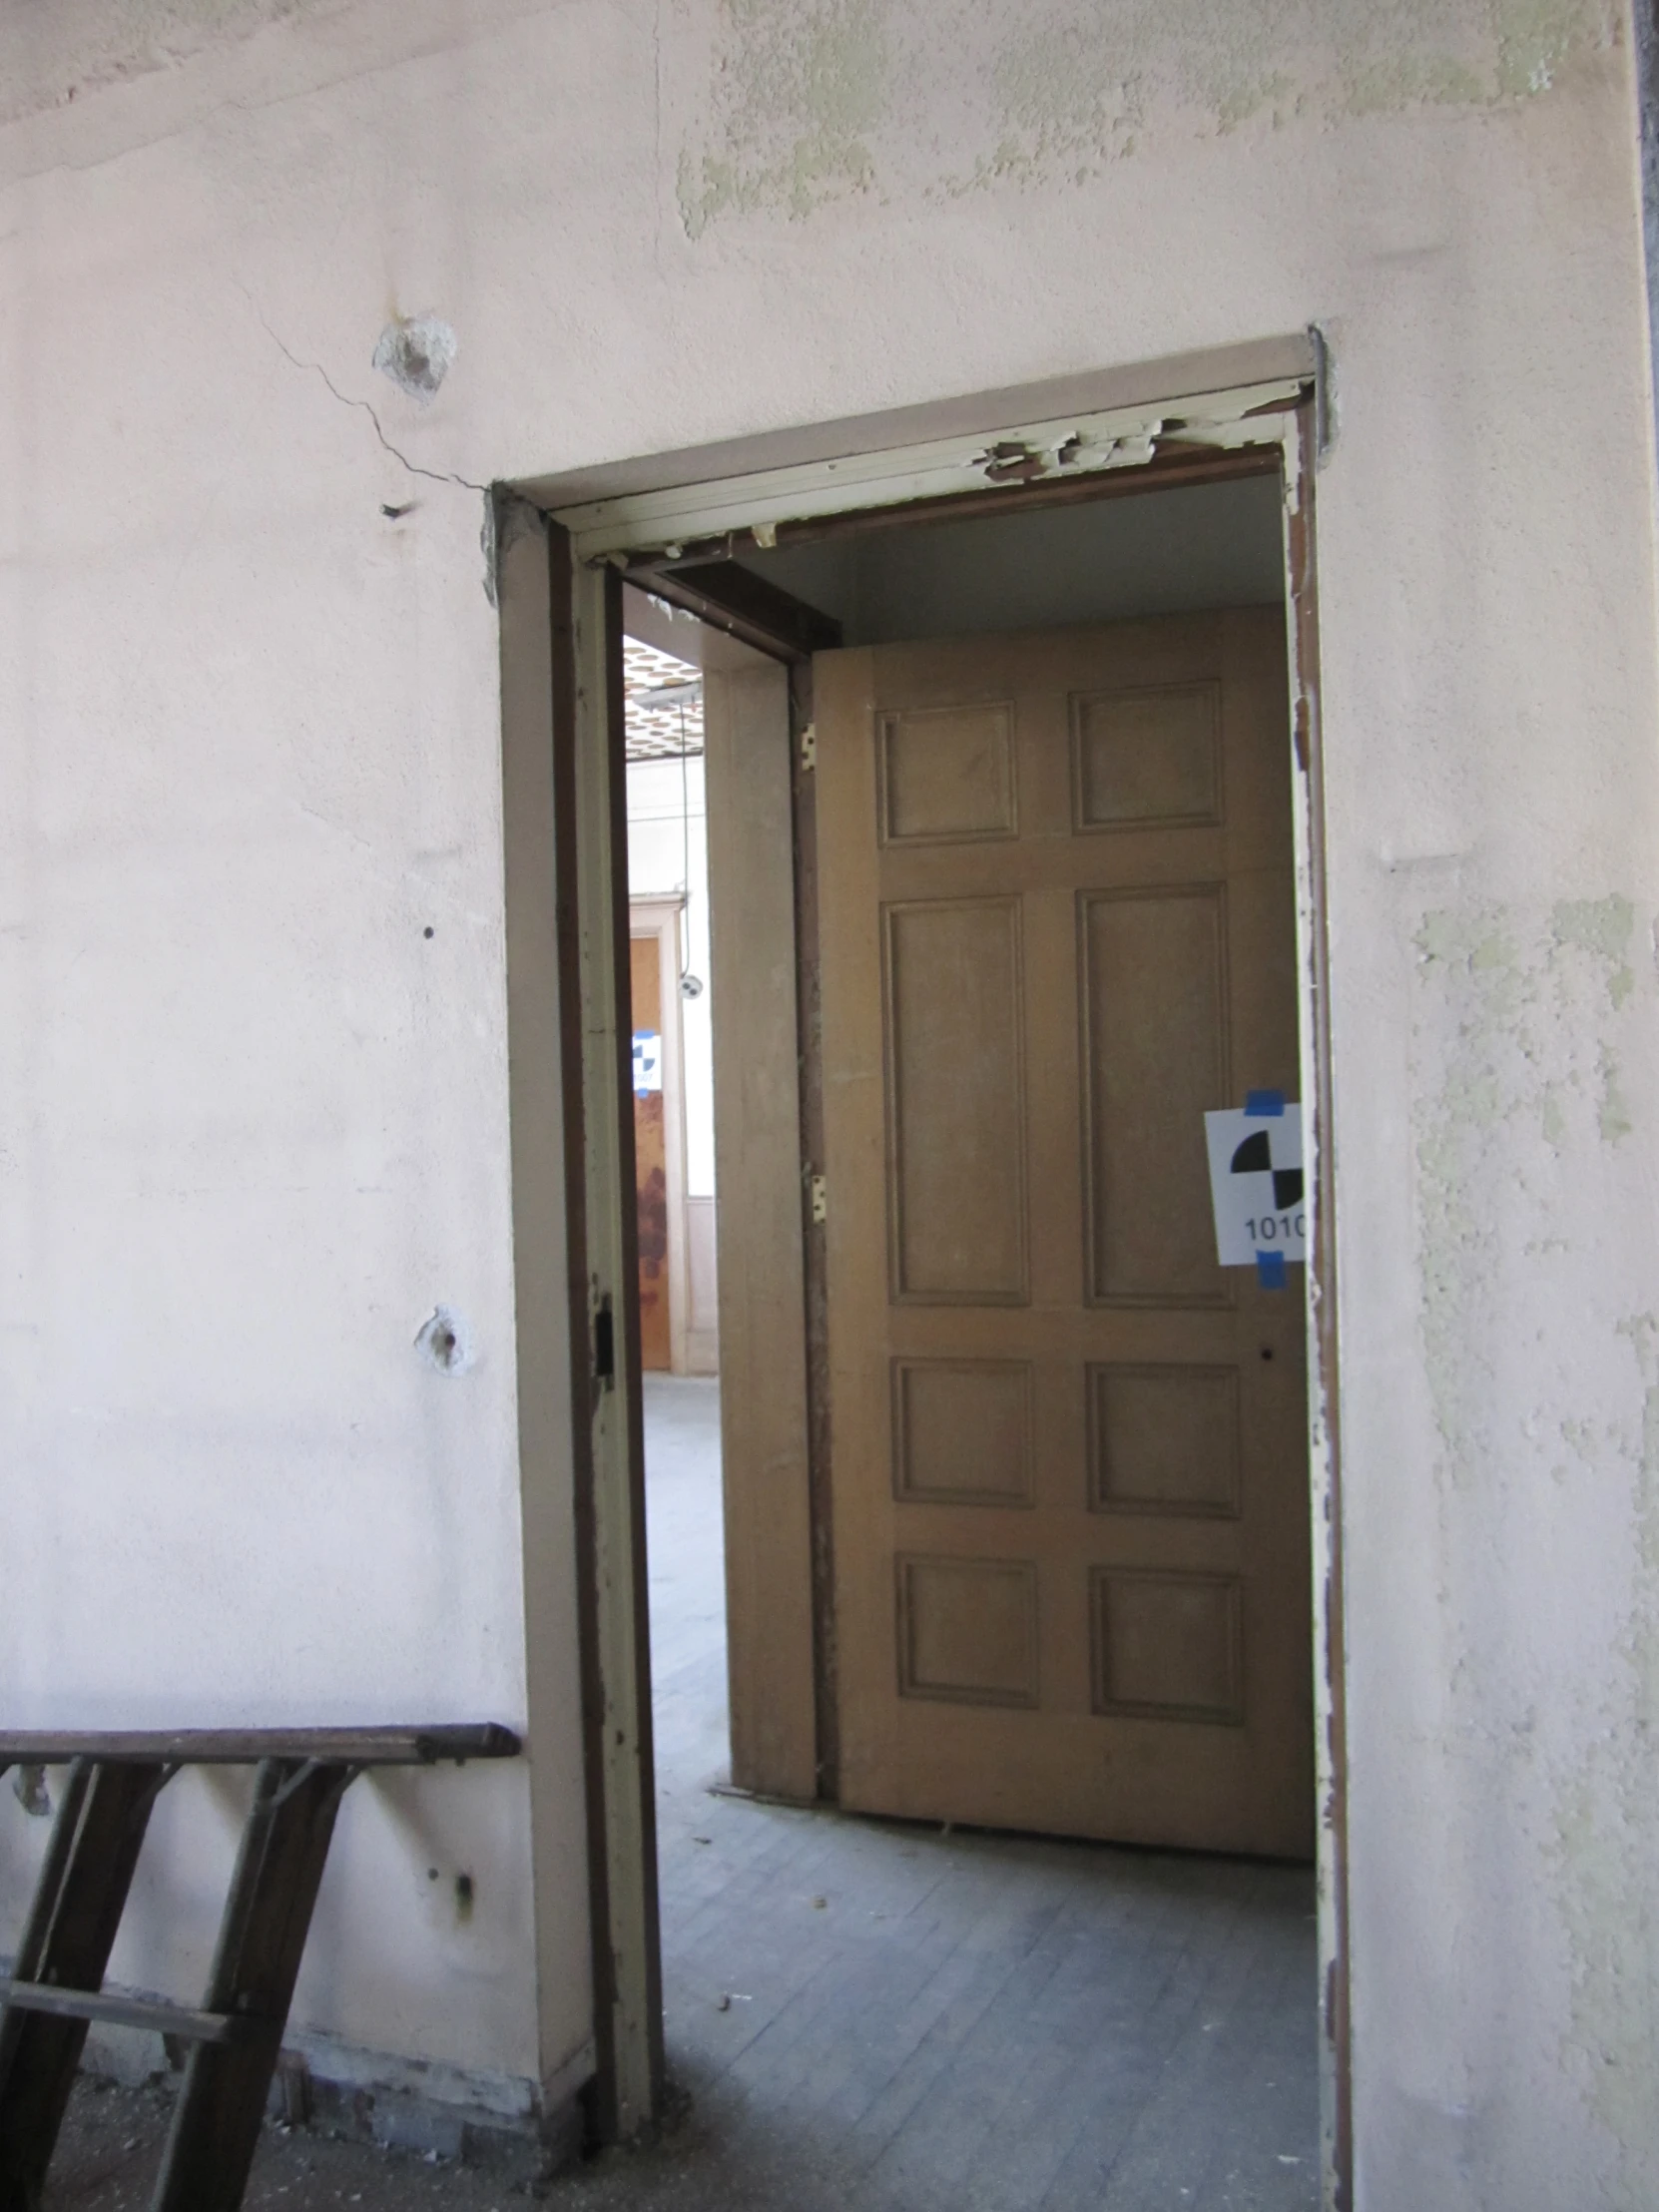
x,y
1602,926
796,93
809,101
1523,1016
1607,1814
1521,1036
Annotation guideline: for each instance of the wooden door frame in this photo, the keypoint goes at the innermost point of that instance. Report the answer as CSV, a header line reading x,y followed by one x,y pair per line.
x,y
658,917
1184,431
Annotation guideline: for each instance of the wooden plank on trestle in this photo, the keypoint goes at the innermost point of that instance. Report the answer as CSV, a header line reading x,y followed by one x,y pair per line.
x,y
229,1746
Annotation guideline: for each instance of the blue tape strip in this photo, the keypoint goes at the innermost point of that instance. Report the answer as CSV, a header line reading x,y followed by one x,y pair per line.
x,y
1269,1270
1264,1105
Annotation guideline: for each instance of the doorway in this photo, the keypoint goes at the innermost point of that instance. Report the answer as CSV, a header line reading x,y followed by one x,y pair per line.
x,y
1180,1623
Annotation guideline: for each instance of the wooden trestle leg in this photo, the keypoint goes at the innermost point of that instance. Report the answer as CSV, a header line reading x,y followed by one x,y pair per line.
x,y
216,2124
55,1989
72,1926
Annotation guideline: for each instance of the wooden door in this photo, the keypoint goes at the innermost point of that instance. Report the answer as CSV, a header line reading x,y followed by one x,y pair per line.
x,y
651,1152
1068,1450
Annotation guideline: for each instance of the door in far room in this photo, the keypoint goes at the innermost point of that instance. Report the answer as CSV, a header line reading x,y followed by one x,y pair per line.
x,y
1068,1450
651,1154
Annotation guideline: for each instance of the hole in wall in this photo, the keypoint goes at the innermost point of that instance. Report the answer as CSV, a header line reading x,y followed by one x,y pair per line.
x,y
446,1341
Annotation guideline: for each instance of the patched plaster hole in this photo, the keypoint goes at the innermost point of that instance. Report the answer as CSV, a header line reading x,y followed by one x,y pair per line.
x,y
446,1341
417,352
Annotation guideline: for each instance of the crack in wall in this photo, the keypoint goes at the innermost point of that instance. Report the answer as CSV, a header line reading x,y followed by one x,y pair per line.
x,y
433,475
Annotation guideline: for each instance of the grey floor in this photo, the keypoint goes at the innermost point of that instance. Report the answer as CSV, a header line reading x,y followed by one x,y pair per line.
x,y
878,2017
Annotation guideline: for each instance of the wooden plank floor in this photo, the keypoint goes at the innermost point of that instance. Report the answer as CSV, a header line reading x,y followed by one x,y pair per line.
x,y
879,2017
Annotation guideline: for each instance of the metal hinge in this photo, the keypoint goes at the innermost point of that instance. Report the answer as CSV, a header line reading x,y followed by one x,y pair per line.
x,y
821,1200
604,1345
809,746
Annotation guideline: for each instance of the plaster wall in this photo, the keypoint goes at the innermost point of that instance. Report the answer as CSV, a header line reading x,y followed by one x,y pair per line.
x,y
254,1122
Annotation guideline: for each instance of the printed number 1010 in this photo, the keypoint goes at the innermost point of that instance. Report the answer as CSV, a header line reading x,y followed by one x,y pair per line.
x,y
1266,1229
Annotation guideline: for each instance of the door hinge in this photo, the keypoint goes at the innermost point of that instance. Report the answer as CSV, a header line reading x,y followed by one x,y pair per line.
x,y
821,1200
604,1344
809,746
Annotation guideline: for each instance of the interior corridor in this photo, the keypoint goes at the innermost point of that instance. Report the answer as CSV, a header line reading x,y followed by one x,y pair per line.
x,y
880,2017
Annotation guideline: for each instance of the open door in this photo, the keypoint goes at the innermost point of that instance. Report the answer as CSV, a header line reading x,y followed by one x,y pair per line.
x,y
1070,1463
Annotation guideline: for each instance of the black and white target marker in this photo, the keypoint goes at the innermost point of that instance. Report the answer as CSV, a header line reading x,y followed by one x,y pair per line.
x,y
1255,1183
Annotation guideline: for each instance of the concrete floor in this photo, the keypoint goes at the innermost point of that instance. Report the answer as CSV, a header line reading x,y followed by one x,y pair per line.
x,y
867,2016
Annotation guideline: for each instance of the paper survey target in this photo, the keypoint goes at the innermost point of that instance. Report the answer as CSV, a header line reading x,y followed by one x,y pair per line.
x,y
1256,1181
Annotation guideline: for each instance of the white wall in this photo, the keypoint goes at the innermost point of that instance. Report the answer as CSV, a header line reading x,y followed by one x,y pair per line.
x,y
253,1123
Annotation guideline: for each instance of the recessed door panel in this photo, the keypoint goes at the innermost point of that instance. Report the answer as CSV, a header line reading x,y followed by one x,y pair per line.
x,y
968,1630
1164,1440
963,1431
957,1113
946,774
1147,759
1154,1007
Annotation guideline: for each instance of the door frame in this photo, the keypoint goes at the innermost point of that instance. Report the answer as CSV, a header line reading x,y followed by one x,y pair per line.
x,y
1198,424
658,917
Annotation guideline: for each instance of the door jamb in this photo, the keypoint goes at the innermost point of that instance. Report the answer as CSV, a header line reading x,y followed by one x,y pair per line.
x,y
591,861
1302,459
604,537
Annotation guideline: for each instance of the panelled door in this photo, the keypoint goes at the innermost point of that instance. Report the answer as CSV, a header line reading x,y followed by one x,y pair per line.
x,y
1068,1450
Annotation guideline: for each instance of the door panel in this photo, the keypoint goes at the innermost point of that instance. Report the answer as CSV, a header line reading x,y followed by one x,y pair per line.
x,y
954,1048
1153,997
1069,1460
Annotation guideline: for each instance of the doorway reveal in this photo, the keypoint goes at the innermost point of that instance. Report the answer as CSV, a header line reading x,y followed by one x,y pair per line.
x,y
788,734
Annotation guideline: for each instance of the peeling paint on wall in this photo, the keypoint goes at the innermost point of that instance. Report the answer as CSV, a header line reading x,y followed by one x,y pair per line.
x,y
1527,1017
812,103
1607,1817
1527,1020
796,93
1602,926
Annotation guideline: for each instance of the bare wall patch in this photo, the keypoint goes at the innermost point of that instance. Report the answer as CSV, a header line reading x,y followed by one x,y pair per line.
x,y
444,1341
416,352
785,108
1524,1015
